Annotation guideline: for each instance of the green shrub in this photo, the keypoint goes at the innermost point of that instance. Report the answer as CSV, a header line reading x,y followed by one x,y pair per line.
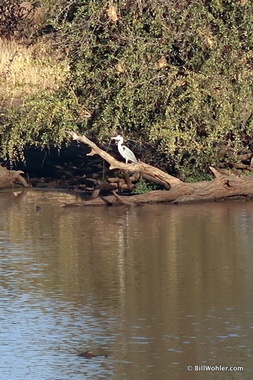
x,y
42,121
176,77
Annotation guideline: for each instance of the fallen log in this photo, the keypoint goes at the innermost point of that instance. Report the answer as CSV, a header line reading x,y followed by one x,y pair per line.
x,y
224,185
8,177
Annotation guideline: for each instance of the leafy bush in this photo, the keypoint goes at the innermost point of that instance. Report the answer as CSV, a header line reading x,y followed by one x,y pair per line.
x,y
175,76
41,121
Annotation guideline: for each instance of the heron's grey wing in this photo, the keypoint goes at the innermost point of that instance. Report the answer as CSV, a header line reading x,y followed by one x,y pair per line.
x,y
128,154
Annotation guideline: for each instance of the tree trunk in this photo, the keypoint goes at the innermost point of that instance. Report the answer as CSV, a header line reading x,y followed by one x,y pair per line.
x,y
224,185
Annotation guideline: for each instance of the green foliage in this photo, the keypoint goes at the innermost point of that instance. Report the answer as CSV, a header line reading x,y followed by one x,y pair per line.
x,y
197,177
172,74
42,121
143,187
176,76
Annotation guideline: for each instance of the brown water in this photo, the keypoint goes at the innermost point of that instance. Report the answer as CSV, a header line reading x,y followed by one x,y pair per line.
x,y
156,288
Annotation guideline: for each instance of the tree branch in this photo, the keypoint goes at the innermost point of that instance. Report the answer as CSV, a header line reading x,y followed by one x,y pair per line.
x,y
224,184
140,167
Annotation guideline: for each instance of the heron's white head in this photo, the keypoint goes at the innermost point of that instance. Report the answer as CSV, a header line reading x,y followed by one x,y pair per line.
x,y
118,138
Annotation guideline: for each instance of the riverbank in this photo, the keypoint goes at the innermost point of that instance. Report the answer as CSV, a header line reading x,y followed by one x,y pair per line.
x,y
179,92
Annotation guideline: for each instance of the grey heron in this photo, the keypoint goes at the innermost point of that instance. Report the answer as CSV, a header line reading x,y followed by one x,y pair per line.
x,y
125,152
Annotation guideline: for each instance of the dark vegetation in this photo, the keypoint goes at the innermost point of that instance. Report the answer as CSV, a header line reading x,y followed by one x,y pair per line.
x,y
14,18
175,77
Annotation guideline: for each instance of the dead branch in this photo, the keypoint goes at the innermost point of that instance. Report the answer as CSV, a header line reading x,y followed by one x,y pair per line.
x,y
224,184
140,167
8,177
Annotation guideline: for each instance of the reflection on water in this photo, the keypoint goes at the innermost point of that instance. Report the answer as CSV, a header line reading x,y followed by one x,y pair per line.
x,y
156,288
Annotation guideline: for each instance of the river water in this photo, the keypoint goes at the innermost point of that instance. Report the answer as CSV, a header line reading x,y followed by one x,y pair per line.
x,y
159,292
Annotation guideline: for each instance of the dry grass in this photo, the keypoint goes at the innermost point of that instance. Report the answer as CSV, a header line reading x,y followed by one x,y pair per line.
x,y
27,70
